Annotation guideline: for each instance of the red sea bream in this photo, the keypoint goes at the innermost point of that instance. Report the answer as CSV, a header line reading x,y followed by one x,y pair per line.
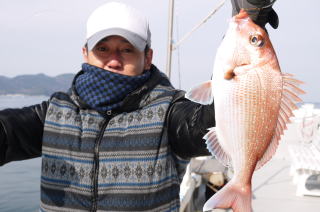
x,y
253,103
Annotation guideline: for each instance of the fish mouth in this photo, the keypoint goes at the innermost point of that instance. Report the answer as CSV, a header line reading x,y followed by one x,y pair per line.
x,y
241,18
242,15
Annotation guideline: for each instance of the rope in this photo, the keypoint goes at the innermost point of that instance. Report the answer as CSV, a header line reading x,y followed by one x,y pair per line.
x,y
199,25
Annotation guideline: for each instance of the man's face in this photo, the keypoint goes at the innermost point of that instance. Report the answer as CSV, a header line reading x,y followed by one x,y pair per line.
x,y
116,54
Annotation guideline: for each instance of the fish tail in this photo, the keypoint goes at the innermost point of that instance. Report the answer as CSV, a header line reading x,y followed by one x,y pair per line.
x,y
232,195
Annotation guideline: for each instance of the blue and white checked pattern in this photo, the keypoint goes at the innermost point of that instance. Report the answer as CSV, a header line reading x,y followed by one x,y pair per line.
x,y
103,90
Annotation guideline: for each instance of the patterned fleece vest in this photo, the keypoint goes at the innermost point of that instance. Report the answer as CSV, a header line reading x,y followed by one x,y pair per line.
x,y
136,170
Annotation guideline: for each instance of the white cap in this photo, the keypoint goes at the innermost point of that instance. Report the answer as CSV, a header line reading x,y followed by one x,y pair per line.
x,y
116,18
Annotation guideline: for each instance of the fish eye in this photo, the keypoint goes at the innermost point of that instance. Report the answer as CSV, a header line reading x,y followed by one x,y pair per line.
x,y
256,40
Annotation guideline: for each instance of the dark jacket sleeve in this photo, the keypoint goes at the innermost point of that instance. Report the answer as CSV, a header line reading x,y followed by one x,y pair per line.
x,y
187,124
21,132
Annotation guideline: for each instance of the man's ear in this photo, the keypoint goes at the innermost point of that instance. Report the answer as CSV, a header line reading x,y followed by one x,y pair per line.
x,y
85,54
148,59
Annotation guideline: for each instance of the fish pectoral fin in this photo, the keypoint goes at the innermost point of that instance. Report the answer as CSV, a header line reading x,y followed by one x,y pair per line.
x,y
215,148
201,93
229,74
237,71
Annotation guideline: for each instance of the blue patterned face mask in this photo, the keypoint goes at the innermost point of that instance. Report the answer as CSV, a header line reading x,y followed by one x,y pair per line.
x,y
103,90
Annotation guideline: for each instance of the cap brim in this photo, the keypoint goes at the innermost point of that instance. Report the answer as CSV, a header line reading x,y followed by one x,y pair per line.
x,y
133,38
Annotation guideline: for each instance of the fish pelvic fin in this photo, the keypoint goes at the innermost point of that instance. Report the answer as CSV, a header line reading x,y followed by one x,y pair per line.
x,y
215,148
201,94
290,92
233,195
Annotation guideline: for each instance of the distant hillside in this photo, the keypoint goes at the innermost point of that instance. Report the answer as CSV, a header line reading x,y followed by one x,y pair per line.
x,y
39,84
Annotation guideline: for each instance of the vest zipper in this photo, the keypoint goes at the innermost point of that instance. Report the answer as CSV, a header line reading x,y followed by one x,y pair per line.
x,y
96,161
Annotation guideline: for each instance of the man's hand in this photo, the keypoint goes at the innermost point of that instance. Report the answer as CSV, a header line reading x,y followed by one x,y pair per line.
x,y
260,11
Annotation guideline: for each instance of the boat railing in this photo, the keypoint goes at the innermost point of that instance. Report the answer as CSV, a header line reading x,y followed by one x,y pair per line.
x,y
305,165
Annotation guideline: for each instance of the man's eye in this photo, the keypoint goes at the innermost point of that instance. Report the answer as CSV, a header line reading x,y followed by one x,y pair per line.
x,y
102,49
126,50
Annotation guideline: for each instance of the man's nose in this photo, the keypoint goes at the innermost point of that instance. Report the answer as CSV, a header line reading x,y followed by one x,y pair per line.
x,y
114,60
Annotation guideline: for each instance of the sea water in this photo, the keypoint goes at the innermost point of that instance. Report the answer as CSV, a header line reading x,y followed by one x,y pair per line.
x,y
20,181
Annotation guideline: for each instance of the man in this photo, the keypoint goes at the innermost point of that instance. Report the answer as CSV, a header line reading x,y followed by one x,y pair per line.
x,y
120,139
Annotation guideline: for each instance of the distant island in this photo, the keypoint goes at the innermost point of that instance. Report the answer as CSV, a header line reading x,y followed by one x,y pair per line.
x,y
39,84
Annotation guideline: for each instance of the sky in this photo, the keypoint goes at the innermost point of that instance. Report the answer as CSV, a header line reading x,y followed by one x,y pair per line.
x,y
46,36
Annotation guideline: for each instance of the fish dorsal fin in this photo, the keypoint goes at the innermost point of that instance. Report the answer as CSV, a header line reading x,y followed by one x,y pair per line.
x,y
215,148
290,93
201,93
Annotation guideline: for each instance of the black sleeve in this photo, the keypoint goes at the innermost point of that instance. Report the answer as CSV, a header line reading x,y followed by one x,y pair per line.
x,y
187,124
260,11
21,132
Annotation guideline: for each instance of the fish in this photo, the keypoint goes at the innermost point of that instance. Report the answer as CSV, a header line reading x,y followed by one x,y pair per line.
x,y
253,102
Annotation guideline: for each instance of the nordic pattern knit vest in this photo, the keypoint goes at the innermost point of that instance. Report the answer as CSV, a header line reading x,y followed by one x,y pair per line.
x,y
136,170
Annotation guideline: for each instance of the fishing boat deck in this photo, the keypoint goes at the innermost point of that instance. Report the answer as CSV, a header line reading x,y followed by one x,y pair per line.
x,y
274,190
273,186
